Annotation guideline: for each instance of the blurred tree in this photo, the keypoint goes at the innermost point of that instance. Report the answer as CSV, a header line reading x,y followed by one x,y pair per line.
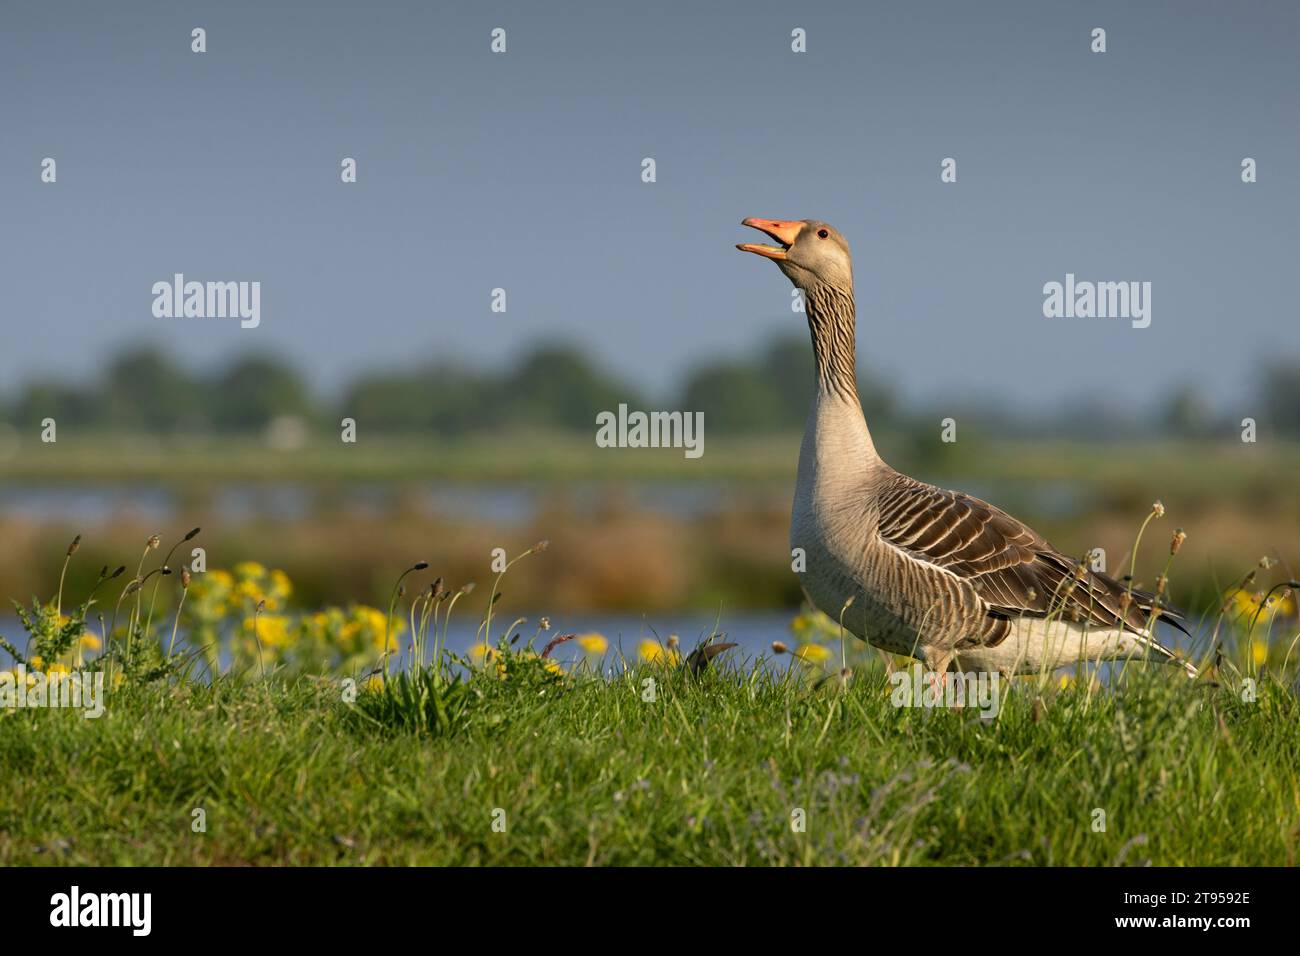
x,y
1187,413
555,386
441,398
144,388
773,393
254,390
736,398
66,404
1279,394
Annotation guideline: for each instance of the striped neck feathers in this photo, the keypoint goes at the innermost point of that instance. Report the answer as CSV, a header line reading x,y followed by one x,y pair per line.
x,y
833,323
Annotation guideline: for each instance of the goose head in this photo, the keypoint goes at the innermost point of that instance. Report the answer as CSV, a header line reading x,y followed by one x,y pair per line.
x,y
811,252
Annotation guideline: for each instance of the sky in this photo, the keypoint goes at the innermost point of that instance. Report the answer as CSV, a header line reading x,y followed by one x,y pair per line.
x,y
523,171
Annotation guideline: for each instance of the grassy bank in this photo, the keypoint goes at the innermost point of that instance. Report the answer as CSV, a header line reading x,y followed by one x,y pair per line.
x,y
587,771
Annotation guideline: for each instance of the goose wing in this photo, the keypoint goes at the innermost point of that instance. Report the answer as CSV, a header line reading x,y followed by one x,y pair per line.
x,y
1015,571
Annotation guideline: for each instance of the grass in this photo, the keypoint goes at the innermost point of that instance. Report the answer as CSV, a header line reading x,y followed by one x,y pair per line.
x,y
502,756
709,773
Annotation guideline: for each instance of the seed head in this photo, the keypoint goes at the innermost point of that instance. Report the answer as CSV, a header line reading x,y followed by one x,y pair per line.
x,y
185,578
192,533
545,623
541,546
72,548
1157,508
153,542
779,648
1179,537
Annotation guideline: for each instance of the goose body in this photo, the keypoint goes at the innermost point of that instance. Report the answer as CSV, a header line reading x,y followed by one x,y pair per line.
x,y
914,569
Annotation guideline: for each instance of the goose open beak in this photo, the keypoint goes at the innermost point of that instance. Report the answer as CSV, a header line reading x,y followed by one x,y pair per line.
x,y
782,231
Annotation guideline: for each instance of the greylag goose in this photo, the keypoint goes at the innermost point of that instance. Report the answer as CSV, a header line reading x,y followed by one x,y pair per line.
x,y
932,574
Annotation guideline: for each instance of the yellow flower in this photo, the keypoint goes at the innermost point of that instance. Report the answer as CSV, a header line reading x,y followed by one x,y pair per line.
x,y
281,586
481,652
375,682
549,664
814,653
592,643
1259,651
249,569
37,662
272,629
654,652
1064,681
218,579
56,673
90,642
28,678
367,626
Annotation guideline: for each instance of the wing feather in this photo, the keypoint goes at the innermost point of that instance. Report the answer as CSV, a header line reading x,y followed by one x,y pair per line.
x,y
1015,570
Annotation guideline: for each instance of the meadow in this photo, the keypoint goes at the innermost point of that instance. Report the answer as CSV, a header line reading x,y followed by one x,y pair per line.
x,y
354,735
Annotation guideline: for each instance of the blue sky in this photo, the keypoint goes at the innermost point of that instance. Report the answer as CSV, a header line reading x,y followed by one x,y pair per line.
x,y
522,171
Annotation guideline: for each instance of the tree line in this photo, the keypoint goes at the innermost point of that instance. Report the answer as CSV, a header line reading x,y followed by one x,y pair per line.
x,y
557,387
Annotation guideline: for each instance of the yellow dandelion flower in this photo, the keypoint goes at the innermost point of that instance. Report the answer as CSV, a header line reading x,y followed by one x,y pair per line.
x,y
90,642
814,653
1064,681
655,653
592,643
375,682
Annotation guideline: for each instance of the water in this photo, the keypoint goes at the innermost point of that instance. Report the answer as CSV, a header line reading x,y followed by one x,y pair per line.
x,y
753,631
512,502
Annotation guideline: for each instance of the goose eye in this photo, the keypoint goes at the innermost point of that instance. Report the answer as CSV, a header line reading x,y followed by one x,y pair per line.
x,y
822,233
